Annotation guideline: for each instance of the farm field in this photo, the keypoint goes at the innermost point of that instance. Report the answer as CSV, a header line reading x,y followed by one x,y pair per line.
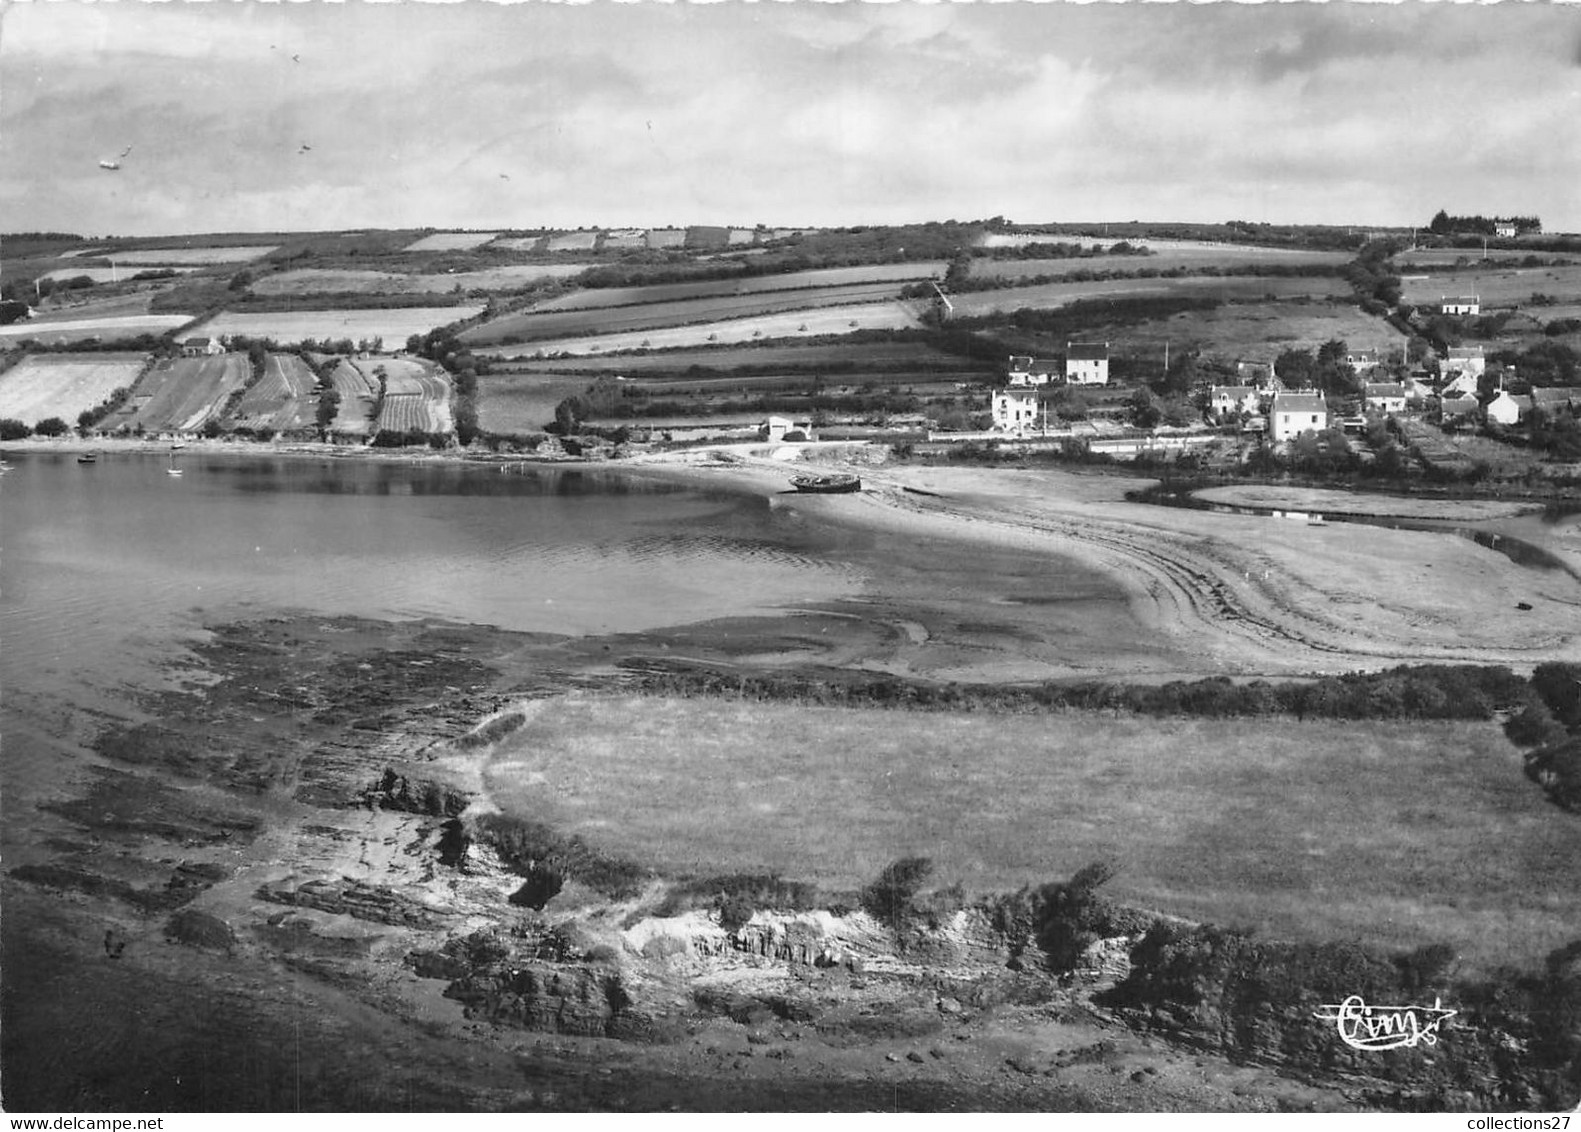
x,y
201,257
71,306
1229,287
613,320
1166,256
518,404
1260,332
573,242
181,394
811,322
358,397
396,324
106,274
281,400
1402,833
1419,257
834,357
64,385
320,281
595,297
666,237
416,393
66,330
1495,286
451,241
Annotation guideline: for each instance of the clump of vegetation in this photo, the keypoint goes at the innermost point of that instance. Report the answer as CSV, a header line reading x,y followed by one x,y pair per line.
x,y
492,731
736,897
891,898
1062,918
536,850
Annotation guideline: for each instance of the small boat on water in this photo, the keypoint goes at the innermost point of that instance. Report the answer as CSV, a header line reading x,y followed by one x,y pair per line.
x,y
88,458
827,485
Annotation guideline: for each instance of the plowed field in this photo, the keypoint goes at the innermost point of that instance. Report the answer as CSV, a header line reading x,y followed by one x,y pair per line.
x,y
416,393
451,241
281,400
358,396
181,394
393,325
895,273
64,385
1227,287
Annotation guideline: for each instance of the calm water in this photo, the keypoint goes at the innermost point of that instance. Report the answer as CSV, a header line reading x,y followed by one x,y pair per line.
x,y
108,569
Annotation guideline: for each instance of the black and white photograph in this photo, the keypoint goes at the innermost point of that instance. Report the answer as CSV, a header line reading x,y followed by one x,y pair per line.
x,y
789,556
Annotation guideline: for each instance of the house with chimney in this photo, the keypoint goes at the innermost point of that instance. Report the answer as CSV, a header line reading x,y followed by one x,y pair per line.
x,y
1462,304
1029,371
1295,413
1464,359
1015,408
1087,363
1224,400
1384,397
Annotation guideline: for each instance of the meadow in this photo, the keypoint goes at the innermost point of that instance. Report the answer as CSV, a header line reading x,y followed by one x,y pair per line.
x,y
661,315
573,242
394,325
1245,288
105,274
519,404
591,298
451,241
201,257
808,322
324,281
1165,256
1496,286
64,385
66,330
1397,833
813,356
1262,331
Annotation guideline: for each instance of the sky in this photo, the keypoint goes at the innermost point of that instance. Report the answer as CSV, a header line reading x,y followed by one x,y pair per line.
x,y
244,115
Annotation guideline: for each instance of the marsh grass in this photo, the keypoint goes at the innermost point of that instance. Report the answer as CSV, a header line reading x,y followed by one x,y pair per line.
x,y
1401,834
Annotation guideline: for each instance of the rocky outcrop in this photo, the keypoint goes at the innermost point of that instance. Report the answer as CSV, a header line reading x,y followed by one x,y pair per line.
x,y
413,795
356,898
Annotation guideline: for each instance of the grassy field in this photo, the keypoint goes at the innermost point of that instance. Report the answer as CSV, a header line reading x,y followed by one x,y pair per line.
x,y
517,404
750,285
573,242
660,315
1244,288
1165,255
1261,331
810,322
181,394
394,325
1399,833
201,257
323,281
451,241
64,385
910,356
65,330
282,399
1496,286
105,274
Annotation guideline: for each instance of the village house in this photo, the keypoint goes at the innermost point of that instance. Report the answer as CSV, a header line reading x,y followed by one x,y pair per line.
x,y
1295,413
1464,359
1504,230
201,347
1224,399
1456,406
1031,371
1464,304
1385,397
1015,408
1359,360
776,429
1462,385
1505,409
1087,363
1552,401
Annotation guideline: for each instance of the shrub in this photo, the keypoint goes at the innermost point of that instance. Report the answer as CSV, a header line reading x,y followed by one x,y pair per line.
x,y
736,897
527,846
13,429
889,898
52,426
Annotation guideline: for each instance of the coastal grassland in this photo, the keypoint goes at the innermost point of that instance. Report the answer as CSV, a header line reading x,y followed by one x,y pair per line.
x,y
1225,288
64,385
1400,834
1260,331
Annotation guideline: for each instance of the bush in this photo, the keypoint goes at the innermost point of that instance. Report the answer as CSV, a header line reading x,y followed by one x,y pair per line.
x,y
737,897
52,426
13,429
889,898
532,849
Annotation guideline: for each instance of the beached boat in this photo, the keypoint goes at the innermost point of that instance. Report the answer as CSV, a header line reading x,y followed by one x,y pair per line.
x,y
827,485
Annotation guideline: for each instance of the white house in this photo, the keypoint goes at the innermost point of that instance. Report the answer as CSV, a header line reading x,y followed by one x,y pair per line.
x,y
1087,363
776,428
1359,360
1503,409
1224,399
1504,230
1463,304
1464,359
201,347
1295,413
1385,397
1031,371
1015,408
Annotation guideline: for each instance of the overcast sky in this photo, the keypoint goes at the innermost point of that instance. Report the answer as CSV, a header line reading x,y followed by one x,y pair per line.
x,y
484,115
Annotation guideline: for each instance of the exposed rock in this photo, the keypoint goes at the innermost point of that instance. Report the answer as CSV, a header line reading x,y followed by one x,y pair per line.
x,y
356,898
199,929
